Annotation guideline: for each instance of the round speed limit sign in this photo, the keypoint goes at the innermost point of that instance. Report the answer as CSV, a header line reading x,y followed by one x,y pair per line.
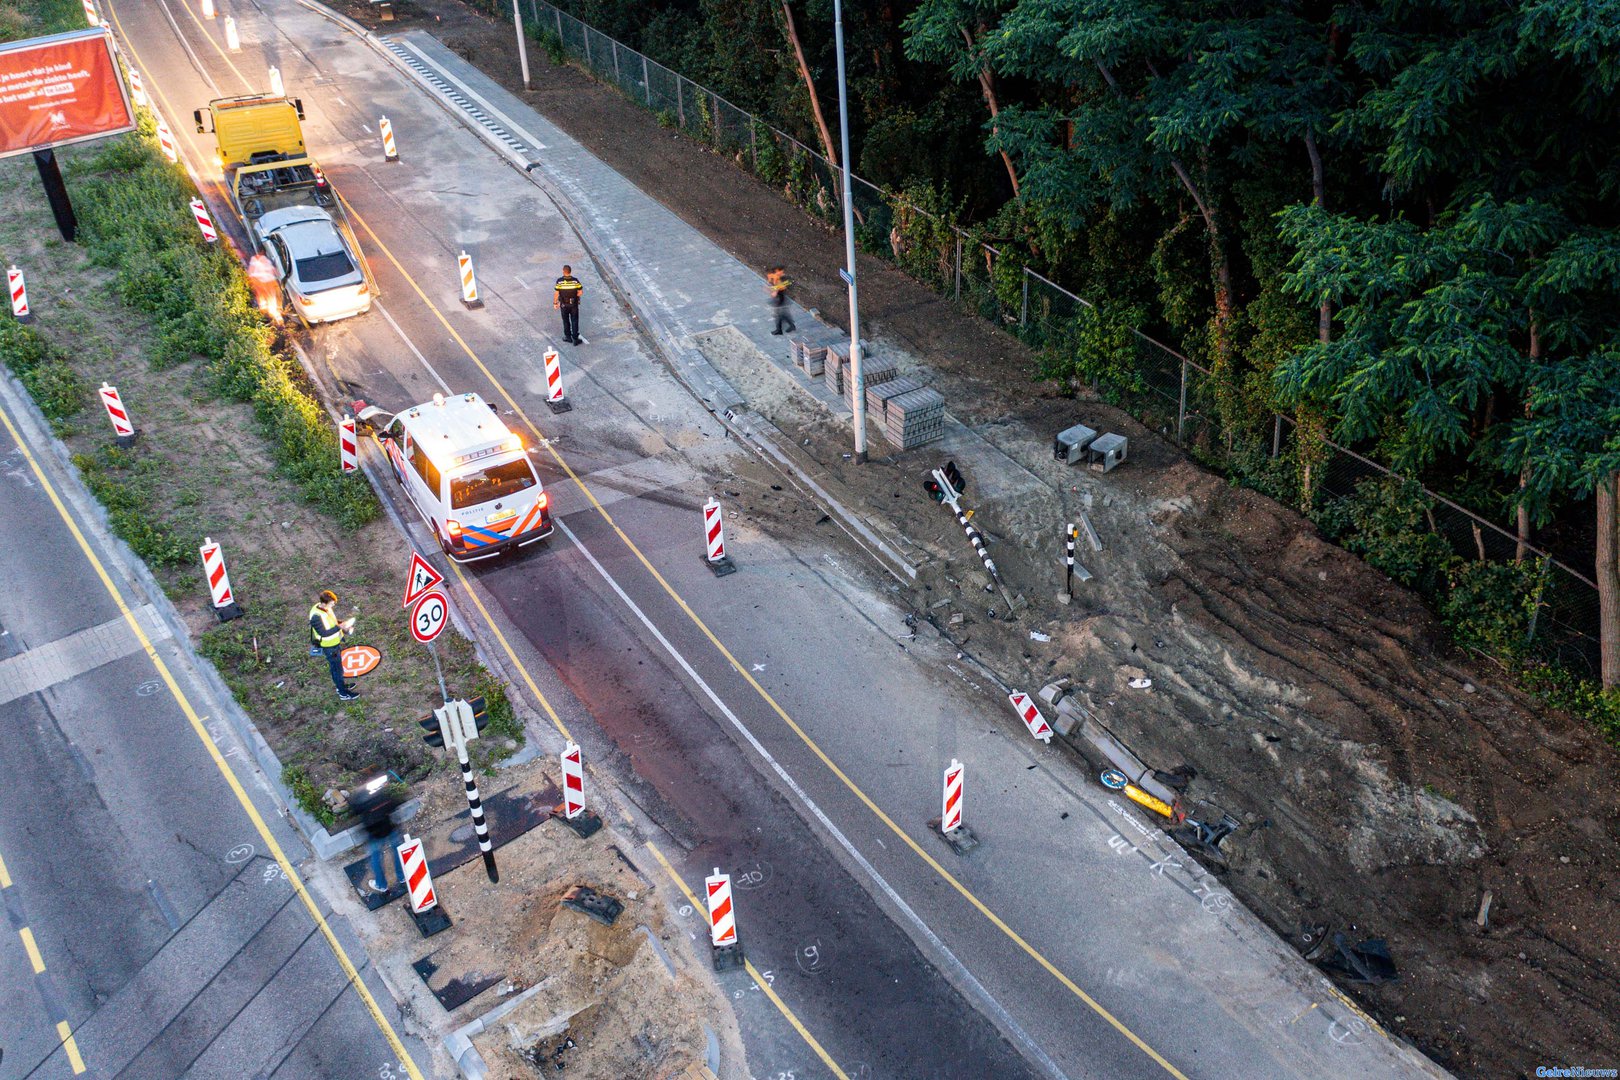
x,y
428,616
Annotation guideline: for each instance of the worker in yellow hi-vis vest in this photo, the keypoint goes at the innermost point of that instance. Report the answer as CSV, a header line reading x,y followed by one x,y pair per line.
x,y
777,283
567,302
326,634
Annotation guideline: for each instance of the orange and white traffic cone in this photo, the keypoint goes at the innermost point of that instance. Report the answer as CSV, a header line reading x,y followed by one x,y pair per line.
x,y
469,282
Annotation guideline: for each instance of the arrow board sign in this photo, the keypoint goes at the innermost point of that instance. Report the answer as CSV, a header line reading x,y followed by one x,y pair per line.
x,y
428,617
419,579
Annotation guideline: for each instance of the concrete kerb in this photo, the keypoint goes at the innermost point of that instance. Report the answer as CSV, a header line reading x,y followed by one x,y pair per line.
x,y
687,363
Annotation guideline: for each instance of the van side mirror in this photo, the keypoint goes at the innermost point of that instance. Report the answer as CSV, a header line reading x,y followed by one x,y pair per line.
x,y
298,107
492,408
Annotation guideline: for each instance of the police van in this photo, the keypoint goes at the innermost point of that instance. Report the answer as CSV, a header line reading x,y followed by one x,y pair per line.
x,y
467,472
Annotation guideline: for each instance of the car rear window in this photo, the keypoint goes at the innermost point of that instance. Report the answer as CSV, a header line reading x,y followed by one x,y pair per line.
x,y
325,267
495,482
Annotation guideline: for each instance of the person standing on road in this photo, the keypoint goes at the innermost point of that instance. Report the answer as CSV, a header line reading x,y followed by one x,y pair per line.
x,y
776,283
567,302
326,633
376,810
266,288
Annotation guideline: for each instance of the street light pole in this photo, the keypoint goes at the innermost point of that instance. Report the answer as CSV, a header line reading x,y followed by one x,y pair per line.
x,y
523,48
858,395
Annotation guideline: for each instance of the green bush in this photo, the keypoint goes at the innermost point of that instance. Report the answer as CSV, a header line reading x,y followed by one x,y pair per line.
x,y
503,719
305,794
1386,522
1583,697
1487,606
123,482
133,219
552,46
55,387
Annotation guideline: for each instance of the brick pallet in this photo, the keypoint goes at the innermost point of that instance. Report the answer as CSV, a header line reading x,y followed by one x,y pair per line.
x,y
873,373
914,418
878,396
837,360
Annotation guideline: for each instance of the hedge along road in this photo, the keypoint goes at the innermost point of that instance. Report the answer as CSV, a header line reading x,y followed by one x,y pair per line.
x,y
443,199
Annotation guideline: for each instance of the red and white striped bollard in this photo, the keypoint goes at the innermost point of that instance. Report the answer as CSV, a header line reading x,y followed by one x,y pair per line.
x,y
1031,716
348,445
90,13
554,385
205,224
166,139
208,11
722,921
950,818
19,294
123,427
714,536
571,811
414,872
219,581
136,89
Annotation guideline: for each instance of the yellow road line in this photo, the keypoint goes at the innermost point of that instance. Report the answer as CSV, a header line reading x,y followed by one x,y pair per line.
x,y
523,670
220,763
223,55
5,875
32,949
759,980
65,1033
742,670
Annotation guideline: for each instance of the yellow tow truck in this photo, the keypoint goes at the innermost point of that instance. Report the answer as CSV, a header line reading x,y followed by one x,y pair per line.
x,y
288,208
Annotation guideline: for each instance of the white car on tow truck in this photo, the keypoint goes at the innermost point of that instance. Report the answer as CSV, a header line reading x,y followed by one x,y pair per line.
x,y
467,472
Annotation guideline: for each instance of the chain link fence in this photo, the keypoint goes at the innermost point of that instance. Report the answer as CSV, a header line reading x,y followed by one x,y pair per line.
x,y
1164,389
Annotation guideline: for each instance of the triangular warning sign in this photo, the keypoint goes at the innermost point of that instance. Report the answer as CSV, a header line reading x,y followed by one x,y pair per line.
x,y
419,579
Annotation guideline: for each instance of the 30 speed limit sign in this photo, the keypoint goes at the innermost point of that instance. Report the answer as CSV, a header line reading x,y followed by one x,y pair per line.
x,y
428,616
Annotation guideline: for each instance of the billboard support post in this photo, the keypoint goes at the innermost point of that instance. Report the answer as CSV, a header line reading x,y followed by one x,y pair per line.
x,y
50,174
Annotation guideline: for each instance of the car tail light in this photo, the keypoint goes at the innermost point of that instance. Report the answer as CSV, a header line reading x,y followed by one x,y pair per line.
x,y
362,289
454,529
544,500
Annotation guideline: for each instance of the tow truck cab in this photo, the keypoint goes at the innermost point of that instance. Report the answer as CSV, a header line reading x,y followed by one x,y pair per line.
x,y
467,472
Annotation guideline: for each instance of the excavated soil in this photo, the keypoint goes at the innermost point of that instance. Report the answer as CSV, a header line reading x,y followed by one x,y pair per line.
x,y
1385,782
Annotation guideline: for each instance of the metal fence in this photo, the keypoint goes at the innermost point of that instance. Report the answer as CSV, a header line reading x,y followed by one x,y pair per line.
x,y
1164,389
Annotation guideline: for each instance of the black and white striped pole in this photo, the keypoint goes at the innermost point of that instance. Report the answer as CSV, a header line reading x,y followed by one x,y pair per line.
x,y
1068,559
456,726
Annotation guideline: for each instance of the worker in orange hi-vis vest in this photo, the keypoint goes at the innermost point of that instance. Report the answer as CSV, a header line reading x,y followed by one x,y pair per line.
x,y
266,286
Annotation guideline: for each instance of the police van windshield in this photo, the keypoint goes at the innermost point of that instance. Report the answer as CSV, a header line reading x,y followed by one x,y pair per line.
x,y
489,484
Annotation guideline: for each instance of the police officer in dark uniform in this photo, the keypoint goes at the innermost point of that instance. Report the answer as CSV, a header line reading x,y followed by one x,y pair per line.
x,y
567,301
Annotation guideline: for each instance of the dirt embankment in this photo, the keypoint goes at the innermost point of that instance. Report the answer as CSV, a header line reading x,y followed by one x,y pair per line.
x,y
1385,782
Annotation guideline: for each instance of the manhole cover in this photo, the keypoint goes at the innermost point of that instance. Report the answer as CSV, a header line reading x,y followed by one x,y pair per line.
x,y
462,834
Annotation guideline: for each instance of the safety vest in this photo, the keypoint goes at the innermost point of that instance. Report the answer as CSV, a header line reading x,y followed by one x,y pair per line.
x,y
568,290
330,633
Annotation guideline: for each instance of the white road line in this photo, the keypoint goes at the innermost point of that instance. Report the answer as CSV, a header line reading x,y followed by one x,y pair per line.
x,y
959,971
71,656
186,45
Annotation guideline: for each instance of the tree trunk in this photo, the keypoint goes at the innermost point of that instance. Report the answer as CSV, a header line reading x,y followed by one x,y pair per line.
x,y
810,87
1324,314
987,83
1522,511
1608,578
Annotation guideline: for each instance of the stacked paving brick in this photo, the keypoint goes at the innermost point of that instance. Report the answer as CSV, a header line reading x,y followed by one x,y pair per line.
x,y
812,358
877,397
874,372
914,418
837,358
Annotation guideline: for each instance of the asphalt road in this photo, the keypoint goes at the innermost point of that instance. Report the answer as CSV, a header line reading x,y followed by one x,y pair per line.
x,y
780,722
148,914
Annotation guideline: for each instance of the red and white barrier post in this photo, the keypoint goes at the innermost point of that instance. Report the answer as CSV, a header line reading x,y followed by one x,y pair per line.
x,y
219,581
19,294
208,11
348,445
1031,716
714,536
277,87
136,89
722,922
90,14
390,151
205,224
571,811
124,431
166,139
469,282
233,40
554,386
950,818
414,872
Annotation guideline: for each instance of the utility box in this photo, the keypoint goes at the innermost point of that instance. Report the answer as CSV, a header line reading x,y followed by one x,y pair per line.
x,y
1070,445
1106,451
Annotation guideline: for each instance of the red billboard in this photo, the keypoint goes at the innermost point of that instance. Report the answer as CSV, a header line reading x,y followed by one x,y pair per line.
x,y
60,89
